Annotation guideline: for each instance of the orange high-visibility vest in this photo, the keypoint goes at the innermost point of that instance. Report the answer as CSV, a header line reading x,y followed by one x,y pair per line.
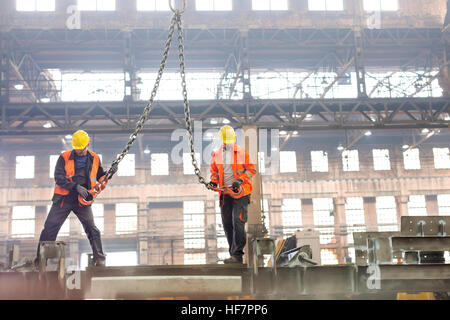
x,y
70,171
243,168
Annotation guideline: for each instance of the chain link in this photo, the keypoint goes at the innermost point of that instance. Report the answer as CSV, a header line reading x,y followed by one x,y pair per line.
x,y
176,19
149,106
187,112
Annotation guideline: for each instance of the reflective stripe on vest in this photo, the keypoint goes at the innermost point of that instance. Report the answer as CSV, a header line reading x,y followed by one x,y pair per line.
x,y
69,167
239,163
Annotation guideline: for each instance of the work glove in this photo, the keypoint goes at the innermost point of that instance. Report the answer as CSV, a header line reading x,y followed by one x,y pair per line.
x,y
212,184
82,191
235,186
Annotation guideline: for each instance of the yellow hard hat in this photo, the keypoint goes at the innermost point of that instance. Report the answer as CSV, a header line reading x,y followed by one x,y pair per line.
x,y
227,135
80,140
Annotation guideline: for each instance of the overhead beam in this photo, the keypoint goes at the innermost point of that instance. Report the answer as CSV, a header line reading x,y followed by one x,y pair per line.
x,y
327,114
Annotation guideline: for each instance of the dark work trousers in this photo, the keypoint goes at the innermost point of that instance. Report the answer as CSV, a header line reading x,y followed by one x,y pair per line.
x,y
59,213
234,217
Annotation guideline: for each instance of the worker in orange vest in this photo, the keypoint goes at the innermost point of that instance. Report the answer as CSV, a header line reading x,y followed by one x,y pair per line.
x,y
76,172
232,169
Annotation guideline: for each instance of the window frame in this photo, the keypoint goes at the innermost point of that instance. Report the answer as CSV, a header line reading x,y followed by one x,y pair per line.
x,y
96,7
120,216
325,7
154,157
214,7
349,167
382,158
282,167
408,163
32,173
270,3
36,8
31,219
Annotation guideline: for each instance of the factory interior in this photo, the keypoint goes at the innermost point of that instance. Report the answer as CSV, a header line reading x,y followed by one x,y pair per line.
x,y
340,110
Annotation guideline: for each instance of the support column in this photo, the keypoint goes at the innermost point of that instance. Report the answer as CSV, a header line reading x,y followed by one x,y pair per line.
x,y
255,227
131,92
370,214
4,71
142,236
402,208
307,214
359,49
340,229
245,66
210,232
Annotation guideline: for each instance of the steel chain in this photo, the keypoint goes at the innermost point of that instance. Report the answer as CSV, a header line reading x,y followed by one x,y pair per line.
x,y
187,112
176,19
149,106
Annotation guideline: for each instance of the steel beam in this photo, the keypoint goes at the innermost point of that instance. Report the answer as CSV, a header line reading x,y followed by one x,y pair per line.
x,y
333,114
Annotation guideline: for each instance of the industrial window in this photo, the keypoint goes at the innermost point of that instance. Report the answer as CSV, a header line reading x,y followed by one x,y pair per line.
x,y
97,5
288,161
214,5
326,5
22,222
323,212
328,256
24,167
386,214
380,5
319,161
261,162
98,211
35,5
188,168
194,224
152,5
350,160
417,205
127,166
65,228
381,159
194,258
269,5
52,165
126,218
444,204
411,159
291,215
160,164
354,217
441,158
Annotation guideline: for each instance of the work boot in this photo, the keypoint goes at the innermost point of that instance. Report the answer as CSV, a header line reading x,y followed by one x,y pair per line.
x,y
234,260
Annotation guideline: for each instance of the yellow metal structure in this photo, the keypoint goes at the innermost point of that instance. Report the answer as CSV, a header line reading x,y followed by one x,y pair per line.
x,y
417,296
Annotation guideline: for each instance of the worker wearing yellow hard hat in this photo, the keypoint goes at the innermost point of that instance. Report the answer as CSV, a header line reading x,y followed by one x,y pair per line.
x,y
80,140
231,167
76,172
